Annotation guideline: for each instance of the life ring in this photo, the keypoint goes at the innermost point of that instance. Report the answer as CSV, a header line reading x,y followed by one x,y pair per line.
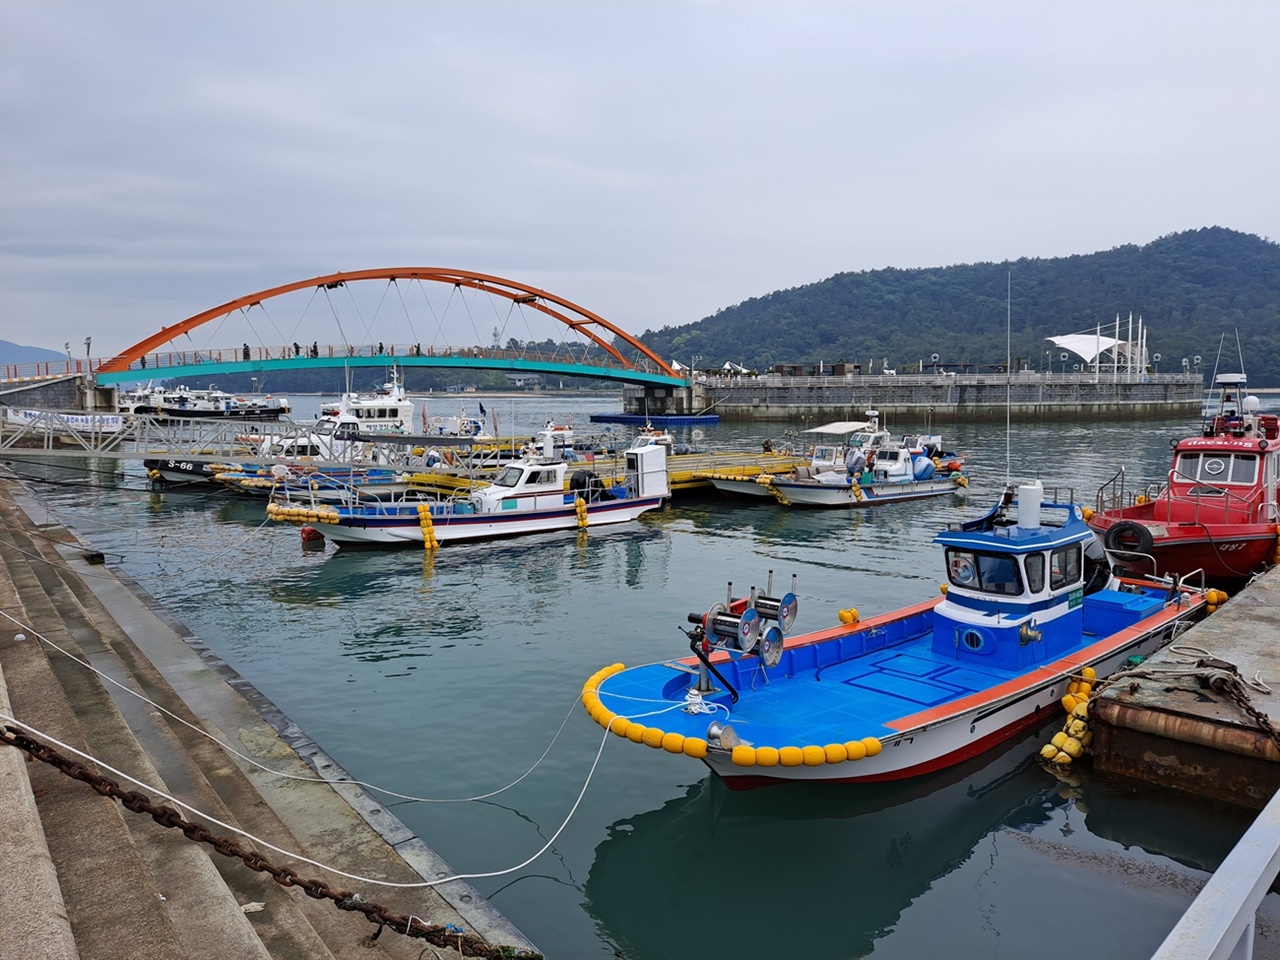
x,y
437,421
1128,537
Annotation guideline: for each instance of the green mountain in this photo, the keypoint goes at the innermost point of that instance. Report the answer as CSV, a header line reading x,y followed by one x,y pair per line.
x,y
1190,289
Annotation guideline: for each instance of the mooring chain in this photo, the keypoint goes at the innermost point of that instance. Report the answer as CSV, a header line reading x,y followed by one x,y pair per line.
x,y
1229,682
448,935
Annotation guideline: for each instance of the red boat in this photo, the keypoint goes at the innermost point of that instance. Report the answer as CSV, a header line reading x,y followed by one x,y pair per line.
x,y
1218,510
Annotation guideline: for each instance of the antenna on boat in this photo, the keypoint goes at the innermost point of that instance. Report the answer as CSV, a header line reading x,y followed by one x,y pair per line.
x,y
1008,371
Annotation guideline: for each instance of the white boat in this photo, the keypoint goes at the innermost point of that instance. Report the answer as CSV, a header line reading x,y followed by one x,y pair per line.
x,y
842,447
529,495
1030,605
182,401
882,475
386,411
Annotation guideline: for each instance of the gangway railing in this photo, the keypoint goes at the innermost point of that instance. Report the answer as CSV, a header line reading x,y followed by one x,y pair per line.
x,y
1220,922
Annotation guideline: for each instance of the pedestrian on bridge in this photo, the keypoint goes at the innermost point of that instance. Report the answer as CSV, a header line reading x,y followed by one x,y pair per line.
x,y
246,351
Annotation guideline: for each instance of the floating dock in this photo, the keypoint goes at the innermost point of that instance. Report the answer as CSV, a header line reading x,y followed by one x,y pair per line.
x,y
1202,715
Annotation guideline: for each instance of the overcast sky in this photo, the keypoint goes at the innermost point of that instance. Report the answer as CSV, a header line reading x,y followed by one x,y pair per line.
x,y
653,162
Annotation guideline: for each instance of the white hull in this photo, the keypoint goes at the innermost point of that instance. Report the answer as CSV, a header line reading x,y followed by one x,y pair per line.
x,y
464,527
742,488
811,493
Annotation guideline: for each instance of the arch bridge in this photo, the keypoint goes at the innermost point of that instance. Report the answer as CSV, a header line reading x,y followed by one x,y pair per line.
x,y
412,332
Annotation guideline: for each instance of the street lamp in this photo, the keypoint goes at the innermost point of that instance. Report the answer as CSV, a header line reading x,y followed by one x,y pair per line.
x,y
1048,361
1063,357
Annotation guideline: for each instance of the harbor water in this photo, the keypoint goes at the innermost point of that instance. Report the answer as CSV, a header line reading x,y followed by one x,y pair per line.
x,y
447,675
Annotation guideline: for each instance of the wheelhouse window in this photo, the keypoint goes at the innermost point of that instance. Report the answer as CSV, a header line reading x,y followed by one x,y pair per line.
x,y
1064,566
1217,468
509,477
1035,572
986,572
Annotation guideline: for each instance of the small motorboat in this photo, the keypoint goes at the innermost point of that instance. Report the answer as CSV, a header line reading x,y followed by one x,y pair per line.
x,y
854,463
529,495
1218,508
1030,604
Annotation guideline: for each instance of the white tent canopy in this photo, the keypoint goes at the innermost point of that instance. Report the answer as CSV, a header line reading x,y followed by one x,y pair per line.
x,y
1087,345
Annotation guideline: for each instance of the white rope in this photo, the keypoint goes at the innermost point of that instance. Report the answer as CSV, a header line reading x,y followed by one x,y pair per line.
x,y
316,863
279,773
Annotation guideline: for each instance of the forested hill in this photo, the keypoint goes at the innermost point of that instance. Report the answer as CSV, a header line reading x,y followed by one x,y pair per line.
x,y
1189,288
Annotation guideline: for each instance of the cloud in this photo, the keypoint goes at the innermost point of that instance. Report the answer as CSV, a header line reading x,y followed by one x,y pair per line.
x,y
652,162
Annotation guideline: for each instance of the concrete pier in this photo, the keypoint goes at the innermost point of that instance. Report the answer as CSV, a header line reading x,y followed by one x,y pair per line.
x,y
85,877
944,398
1169,723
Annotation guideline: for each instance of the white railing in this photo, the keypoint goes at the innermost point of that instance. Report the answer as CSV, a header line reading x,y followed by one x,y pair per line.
x,y
1220,922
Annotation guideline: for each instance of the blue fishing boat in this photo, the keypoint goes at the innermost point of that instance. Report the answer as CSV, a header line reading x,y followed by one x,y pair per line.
x,y
1030,605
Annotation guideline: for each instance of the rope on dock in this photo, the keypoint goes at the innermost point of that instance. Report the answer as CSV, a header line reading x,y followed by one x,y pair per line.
x,y
447,935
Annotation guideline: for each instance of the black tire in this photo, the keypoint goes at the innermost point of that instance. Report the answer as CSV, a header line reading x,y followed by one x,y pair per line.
x,y
1128,536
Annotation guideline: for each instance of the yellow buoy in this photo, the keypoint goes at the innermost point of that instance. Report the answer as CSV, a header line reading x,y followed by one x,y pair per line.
x,y
1059,739
766,756
635,732
1048,751
673,743
855,750
1072,748
873,746
743,756
814,756
1089,673
836,753
790,756
653,737
695,747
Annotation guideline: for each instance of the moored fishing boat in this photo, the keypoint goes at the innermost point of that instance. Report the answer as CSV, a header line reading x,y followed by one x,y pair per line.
x,y
1030,603
1219,507
182,401
529,495
847,449
889,473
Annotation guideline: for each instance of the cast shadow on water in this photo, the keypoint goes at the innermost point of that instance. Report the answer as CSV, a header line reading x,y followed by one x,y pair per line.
x,y
841,861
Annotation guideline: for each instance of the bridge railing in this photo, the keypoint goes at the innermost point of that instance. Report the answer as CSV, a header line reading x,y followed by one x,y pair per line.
x,y
248,353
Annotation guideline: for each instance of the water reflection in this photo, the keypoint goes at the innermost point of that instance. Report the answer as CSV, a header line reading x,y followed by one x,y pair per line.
x,y
689,878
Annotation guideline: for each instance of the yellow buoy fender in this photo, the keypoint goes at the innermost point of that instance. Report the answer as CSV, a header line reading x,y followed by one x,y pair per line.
x,y
766,756
790,756
744,756
635,732
653,737
855,750
814,756
673,743
835,753
695,747
873,746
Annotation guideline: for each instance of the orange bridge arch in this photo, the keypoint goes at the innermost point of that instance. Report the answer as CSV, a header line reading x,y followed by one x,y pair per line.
x,y
577,318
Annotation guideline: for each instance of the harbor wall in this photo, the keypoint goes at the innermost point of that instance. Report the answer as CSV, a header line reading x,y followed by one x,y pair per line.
x,y
941,398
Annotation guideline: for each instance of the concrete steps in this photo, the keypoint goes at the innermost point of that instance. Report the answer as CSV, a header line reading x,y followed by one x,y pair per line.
x,y
127,886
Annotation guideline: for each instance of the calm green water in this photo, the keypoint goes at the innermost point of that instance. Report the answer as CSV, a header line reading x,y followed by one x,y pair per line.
x,y
447,676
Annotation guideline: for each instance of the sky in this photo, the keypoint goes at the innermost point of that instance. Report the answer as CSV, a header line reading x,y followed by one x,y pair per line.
x,y
652,162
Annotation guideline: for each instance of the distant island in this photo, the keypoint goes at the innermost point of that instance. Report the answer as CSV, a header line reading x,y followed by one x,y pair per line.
x,y
1196,292
1190,288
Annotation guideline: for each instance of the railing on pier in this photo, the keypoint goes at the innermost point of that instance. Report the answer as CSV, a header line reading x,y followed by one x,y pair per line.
x,y
1220,922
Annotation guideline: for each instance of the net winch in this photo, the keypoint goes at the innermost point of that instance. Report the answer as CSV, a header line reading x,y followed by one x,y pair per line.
x,y
757,623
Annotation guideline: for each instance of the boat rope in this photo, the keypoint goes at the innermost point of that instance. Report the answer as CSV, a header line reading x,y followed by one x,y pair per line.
x,y
236,547
14,734
280,773
1205,671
